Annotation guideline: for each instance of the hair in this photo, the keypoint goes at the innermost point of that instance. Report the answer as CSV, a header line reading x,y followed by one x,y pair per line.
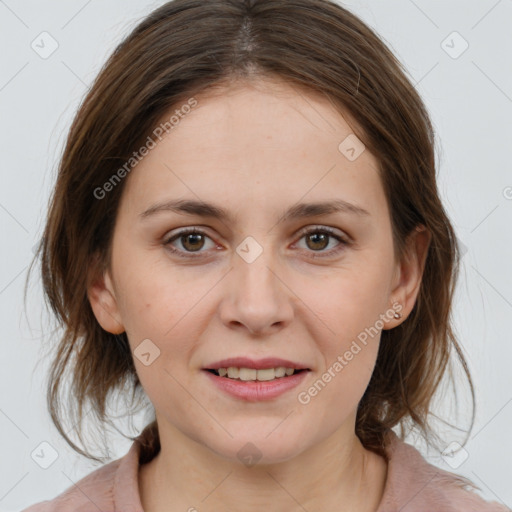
x,y
186,47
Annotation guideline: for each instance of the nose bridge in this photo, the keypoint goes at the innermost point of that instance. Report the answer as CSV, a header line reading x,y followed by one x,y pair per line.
x,y
254,270
259,299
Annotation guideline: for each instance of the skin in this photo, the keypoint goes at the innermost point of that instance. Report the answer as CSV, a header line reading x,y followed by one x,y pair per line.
x,y
256,149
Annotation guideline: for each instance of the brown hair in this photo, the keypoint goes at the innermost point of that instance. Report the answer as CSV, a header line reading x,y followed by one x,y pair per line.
x,y
188,46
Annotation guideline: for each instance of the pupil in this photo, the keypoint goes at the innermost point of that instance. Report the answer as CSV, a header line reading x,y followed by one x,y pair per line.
x,y
314,236
195,236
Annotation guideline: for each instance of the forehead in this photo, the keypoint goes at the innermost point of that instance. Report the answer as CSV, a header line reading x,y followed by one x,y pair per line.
x,y
265,143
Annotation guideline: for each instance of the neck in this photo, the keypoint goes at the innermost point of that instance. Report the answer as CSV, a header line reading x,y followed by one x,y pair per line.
x,y
337,474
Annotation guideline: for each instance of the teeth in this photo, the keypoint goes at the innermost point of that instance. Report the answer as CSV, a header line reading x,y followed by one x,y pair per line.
x,y
265,374
280,372
233,372
247,374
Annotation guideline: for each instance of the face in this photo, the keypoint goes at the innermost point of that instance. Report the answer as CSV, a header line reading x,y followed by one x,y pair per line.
x,y
256,283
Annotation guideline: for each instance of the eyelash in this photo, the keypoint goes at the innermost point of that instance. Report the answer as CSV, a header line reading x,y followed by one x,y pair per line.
x,y
324,230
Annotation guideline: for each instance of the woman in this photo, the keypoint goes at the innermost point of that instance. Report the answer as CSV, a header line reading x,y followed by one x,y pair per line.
x,y
250,186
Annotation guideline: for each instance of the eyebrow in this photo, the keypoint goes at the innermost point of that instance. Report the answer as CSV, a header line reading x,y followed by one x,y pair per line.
x,y
298,211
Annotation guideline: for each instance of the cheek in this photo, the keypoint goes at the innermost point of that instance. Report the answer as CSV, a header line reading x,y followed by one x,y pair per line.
x,y
158,308
346,327
350,301
151,296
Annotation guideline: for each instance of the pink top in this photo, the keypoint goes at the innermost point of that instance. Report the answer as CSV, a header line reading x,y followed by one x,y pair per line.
x,y
412,485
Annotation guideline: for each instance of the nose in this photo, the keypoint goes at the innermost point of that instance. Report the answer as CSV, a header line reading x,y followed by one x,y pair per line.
x,y
257,298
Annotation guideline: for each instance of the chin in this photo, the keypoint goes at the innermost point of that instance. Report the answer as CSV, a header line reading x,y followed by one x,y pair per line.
x,y
261,448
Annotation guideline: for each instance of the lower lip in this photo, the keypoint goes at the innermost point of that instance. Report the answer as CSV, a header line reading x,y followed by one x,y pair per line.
x,y
257,390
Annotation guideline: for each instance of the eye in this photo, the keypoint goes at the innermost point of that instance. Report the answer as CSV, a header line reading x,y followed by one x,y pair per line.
x,y
191,239
318,238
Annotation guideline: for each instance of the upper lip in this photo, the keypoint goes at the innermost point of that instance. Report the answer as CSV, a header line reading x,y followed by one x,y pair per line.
x,y
258,364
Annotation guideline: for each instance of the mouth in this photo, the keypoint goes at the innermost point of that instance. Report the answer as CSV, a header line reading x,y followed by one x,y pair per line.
x,y
247,369
253,374
253,380
256,384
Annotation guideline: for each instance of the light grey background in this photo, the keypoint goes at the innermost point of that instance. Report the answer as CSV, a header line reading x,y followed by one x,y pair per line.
x,y
470,100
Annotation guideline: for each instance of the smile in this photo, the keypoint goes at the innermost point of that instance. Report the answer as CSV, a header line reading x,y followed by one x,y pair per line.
x,y
248,385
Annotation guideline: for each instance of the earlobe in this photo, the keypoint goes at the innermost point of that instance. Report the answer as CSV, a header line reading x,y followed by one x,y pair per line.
x,y
104,304
394,315
410,273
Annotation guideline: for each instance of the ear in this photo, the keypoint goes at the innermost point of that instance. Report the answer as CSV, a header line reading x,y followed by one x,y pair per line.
x,y
103,300
409,273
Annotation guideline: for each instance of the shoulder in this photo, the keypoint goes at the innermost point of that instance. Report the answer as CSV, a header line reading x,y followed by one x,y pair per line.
x,y
112,487
95,491
459,494
415,485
